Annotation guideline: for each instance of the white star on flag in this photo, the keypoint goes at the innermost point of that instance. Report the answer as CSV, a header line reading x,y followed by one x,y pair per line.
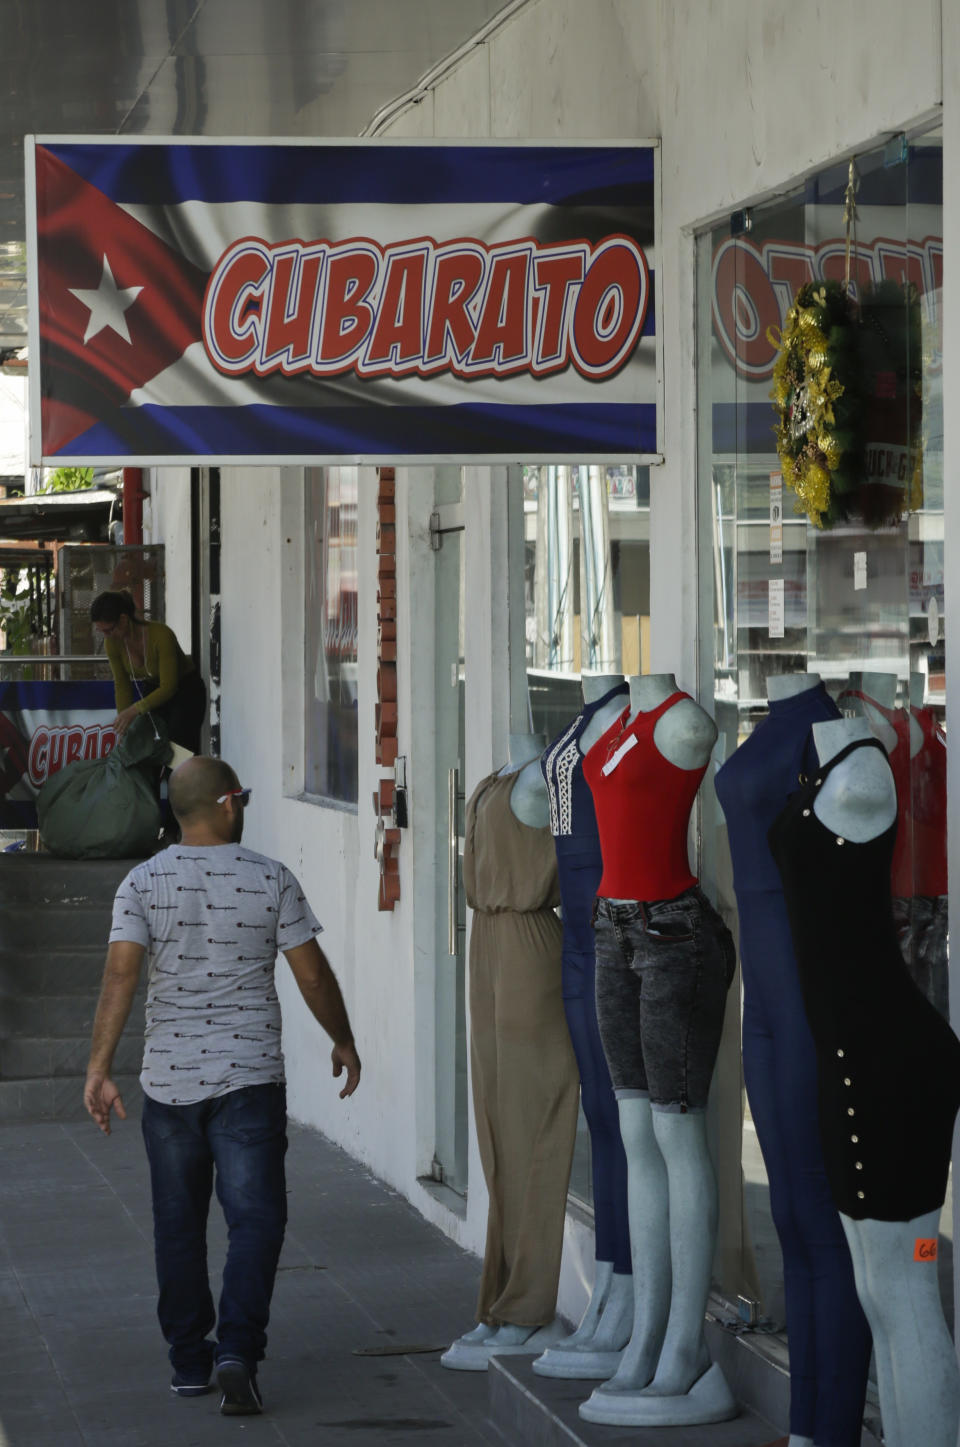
x,y
106,305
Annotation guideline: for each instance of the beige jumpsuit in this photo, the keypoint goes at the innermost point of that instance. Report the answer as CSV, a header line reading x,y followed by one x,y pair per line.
x,y
525,1080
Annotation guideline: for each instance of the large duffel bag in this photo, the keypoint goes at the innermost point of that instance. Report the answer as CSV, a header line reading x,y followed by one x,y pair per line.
x,y
107,808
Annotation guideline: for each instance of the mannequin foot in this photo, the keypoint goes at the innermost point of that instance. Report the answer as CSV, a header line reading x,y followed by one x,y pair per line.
x,y
509,1335
603,1276
467,1353
678,1372
708,1400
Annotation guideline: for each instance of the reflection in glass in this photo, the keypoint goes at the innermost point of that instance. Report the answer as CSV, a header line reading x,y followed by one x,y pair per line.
x,y
330,634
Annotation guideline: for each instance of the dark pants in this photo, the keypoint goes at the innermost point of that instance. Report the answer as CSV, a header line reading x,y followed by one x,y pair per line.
x,y
241,1136
184,713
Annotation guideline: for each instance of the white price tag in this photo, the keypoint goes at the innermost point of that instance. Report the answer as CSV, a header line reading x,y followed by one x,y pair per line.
x,y
776,517
859,571
614,760
775,608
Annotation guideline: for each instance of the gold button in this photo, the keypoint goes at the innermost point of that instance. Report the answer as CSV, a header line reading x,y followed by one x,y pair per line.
x,y
858,1165
806,813
847,1080
850,1110
839,1054
855,1139
818,781
859,1195
840,841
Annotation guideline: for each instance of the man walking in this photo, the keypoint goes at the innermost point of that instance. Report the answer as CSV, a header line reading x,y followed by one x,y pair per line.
x,y
211,917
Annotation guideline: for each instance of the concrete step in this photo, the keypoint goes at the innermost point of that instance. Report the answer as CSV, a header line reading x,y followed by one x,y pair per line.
x,y
59,1016
34,928
33,1057
42,879
74,971
53,1098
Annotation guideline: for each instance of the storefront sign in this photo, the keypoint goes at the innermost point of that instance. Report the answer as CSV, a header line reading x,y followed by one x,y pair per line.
x,y
351,301
43,727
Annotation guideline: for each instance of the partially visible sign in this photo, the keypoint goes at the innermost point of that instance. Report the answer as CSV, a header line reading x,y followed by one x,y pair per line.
x,y
43,727
776,517
775,608
342,301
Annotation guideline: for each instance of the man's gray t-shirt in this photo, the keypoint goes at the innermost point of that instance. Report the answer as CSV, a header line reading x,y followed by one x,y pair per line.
x,y
212,919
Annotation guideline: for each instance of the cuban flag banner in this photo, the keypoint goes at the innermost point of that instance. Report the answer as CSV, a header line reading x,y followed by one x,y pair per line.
x,y
43,727
349,301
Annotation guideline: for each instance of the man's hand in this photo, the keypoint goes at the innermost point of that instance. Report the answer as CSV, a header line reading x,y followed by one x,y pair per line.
x,y
100,1095
123,720
345,1058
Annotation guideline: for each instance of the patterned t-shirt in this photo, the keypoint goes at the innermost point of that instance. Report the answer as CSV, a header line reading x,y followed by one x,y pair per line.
x,y
212,919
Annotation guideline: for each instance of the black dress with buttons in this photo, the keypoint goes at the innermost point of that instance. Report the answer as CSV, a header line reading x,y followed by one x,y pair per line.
x,y
888,1063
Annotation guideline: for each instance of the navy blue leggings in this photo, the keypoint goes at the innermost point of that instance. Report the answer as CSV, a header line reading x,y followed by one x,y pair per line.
x,y
827,1332
579,876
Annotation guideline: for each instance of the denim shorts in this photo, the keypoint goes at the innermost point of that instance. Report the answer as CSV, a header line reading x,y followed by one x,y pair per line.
x,y
663,972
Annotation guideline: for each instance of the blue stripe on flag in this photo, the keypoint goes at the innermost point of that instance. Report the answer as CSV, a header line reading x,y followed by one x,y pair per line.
x,y
620,176
582,430
92,694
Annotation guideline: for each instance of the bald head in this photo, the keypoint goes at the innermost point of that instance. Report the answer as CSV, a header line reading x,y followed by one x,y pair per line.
x,y
196,785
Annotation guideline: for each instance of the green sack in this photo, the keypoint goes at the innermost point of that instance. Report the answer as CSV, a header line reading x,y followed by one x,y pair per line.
x,y
107,808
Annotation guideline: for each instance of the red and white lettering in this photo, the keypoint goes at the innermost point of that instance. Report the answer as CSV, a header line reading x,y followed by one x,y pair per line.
x,y
232,305
418,308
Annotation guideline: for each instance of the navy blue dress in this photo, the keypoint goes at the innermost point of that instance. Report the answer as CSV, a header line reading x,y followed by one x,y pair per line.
x,y
574,827
827,1333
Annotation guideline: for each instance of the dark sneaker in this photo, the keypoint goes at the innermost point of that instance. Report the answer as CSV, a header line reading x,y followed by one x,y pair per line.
x,y
190,1384
238,1383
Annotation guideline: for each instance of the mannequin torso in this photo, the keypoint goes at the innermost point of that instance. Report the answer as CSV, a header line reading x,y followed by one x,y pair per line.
x,y
788,685
594,686
685,734
528,798
859,799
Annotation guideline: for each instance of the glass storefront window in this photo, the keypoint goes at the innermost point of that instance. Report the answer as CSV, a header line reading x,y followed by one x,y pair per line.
x,y
860,603
330,633
587,609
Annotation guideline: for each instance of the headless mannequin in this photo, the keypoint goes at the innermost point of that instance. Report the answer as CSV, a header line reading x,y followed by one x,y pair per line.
x,y
665,1375
604,1328
530,804
881,687
788,685
917,1371
783,686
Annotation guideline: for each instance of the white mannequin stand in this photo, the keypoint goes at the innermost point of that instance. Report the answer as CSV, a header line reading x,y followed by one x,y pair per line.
x,y
917,1373
594,1350
472,1351
779,686
665,1377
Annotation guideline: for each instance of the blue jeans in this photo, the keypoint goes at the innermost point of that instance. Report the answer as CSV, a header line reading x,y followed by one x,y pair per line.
x,y
242,1136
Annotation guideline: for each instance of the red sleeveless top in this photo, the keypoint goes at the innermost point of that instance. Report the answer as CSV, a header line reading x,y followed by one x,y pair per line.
x,y
643,805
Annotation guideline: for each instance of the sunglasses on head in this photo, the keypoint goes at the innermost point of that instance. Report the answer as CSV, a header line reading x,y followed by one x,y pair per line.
x,y
242,794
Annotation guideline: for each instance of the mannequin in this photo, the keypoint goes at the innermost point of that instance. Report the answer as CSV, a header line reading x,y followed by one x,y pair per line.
x,y
827,1333
661,1046
886,1134
523,1071
593,1350
923,927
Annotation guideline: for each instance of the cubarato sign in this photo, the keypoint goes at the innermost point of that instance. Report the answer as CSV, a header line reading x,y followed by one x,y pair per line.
x,y
347,301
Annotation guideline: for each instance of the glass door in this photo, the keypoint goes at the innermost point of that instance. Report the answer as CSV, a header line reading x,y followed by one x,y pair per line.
x,y
450,1152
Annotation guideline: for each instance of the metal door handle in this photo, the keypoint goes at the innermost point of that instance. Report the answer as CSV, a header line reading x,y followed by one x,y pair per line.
x,y
452,866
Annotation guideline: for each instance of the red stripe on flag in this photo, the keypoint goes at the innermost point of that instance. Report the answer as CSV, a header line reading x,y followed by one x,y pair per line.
x,y
76,227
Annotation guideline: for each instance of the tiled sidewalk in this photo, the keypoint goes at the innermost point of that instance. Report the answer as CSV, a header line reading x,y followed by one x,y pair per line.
x,y
82,1362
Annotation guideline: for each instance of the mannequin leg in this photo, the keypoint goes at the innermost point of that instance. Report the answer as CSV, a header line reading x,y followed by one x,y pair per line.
x,y
649,1210
682,1139
917,1373
827,1333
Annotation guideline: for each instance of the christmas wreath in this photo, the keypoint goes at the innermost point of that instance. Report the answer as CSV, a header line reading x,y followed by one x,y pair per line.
x,y
817,394
847,391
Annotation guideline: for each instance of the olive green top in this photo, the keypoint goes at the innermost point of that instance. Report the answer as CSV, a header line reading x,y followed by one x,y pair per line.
x,y
165,664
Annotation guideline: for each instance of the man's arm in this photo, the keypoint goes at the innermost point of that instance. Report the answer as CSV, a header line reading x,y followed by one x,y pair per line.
x,y
120,977
319,988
